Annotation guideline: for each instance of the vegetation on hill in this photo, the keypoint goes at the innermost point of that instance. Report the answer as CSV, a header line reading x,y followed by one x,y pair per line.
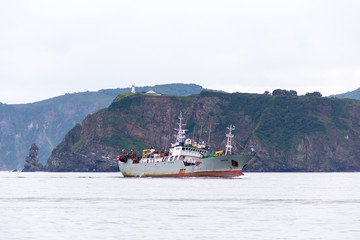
x,y
289,132
352,95
46,122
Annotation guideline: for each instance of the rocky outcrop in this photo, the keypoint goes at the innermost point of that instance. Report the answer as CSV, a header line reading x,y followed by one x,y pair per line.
x,y
46,122
32,160
75,154
289,133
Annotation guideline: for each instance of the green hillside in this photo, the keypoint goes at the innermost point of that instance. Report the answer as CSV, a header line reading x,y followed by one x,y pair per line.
x,y
352,95
45,123
289,132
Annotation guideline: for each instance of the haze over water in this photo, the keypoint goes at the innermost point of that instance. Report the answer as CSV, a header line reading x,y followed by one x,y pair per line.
x,y
107,206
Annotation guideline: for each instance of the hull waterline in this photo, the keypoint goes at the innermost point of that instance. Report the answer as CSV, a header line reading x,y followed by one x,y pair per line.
x,y
221,167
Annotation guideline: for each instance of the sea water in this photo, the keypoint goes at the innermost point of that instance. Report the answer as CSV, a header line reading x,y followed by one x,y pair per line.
x,y
108,206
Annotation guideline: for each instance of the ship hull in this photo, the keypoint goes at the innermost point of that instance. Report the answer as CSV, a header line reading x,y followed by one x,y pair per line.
x,y
221,166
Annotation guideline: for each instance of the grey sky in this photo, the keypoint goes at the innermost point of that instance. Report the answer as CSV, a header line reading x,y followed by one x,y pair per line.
x,y
49,48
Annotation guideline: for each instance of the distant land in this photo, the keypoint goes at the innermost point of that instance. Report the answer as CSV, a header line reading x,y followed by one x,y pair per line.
x,y
45,123
351,95
290,133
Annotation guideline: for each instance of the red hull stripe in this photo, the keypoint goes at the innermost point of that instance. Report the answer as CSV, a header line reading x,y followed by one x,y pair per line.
x,y
221,174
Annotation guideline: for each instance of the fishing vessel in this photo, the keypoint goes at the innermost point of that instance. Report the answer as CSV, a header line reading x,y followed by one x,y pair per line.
x,y
185,158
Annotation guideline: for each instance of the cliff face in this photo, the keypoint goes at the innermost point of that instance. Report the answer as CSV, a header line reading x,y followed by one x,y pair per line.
x,y
45,123
289,133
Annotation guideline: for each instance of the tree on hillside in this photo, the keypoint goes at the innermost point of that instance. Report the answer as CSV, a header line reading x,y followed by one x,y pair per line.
x,y
314,94
282,92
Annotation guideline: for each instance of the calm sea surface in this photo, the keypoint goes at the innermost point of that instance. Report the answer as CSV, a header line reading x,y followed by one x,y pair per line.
x,y
107,206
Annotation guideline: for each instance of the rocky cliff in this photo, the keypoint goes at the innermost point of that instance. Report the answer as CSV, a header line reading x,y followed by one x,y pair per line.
x,y
32,160
290,133
46,123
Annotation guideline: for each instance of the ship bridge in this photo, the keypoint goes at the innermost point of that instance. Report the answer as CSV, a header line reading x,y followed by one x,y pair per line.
x,y
189,151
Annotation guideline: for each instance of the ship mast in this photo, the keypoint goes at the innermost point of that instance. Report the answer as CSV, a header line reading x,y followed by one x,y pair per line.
x,y
181,132
229,137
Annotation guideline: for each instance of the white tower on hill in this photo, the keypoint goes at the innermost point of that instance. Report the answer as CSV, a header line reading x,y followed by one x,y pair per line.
x,y
133,89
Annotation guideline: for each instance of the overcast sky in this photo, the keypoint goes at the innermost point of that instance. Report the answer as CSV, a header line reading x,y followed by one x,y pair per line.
x,y
49,48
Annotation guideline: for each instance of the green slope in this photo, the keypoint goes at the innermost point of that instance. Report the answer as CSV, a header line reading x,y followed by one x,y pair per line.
x,y
45,123
290,133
